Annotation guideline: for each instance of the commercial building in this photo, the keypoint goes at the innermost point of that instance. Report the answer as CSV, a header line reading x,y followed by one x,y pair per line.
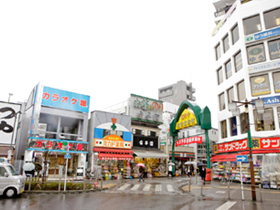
x,y
54,124
177,93
247,65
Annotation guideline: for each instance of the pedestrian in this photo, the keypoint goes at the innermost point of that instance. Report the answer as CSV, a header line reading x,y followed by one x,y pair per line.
x,y
189,172
141,173
170,171
203,174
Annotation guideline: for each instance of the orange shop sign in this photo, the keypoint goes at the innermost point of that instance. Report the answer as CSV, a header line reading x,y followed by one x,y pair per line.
x,y
112,141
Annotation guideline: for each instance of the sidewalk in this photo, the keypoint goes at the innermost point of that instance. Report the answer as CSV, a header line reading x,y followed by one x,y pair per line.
x,y
214,190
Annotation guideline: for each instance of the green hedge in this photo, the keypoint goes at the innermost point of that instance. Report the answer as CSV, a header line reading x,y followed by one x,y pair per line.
x,y
54,186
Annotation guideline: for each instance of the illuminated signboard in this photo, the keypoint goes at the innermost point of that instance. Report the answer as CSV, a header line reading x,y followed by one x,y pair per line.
x,y
187,119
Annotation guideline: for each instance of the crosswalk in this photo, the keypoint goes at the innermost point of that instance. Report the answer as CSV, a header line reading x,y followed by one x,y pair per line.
x,y
146,188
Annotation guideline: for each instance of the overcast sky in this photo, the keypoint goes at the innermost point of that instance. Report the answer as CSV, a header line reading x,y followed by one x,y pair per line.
x,y
107,49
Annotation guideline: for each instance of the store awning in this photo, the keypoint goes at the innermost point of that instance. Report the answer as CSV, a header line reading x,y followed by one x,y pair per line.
x,y
150,154
107,156
224,158
261,151
107,150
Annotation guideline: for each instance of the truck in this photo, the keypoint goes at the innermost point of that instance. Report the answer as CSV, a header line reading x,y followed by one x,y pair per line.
x,y
11,182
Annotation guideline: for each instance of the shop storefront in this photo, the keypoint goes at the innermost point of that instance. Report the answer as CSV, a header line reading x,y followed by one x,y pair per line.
x,y
180,159
111,144
55,123
266,159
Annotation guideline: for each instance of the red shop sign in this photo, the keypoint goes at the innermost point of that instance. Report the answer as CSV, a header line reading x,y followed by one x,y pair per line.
x,y
258,143
190,140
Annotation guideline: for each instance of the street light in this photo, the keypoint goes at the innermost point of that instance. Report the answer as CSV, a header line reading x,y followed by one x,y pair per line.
x,y
236,111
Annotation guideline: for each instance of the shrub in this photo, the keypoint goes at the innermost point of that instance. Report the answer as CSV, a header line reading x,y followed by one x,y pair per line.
x,y
54,186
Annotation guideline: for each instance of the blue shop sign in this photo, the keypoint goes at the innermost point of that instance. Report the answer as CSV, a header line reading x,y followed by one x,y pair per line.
x,y
65,100
267,34
271,100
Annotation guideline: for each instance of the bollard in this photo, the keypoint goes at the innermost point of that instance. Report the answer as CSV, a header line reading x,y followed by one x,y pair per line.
x,y
59,184
101,182
228,191
190,185
84,184
260,187
201,188
29,184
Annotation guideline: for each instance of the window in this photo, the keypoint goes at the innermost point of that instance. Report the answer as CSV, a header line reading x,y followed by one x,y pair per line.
x,y
256,54
138,132
2,171
252,25
238,62
274,49
272,18
276,81
241,91
224,129
260,85
218,52
233,126
220,76
235,34
264,122
230,94
222,101
243,122
228,69
226,43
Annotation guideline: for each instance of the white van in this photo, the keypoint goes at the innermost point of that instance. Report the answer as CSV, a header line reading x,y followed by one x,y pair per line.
x,y
11,183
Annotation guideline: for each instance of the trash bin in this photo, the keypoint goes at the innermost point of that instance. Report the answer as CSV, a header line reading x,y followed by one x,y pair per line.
x,y
80,173
208,174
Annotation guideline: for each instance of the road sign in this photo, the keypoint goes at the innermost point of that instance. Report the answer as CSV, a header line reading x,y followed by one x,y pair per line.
x,y
241,158
67,156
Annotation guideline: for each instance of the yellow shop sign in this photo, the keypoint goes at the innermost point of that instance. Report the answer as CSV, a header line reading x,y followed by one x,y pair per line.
x,y
187,119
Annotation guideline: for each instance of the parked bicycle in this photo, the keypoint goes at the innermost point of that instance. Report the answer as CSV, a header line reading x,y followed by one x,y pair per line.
x,y
226,178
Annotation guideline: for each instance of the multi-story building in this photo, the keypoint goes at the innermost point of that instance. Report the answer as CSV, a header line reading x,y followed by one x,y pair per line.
x,y
177,93
247,65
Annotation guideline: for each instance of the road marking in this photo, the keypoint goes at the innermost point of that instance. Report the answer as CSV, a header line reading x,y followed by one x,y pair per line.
x,y
170,188
158,187
226,205
147,187
135,187
124,186
220,191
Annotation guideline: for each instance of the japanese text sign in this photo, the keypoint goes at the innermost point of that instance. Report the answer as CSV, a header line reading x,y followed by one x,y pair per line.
x,y
112,144
65,100
190,140
258,143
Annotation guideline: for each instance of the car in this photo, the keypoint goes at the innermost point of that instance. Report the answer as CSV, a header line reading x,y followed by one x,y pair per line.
x,y
11,182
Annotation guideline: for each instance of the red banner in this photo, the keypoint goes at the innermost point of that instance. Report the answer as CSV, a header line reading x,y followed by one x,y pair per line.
x,y
258,143
190,140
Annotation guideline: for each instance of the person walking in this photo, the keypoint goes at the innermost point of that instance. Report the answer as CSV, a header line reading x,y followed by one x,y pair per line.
x,y
141,174
203,174
189,172
170,171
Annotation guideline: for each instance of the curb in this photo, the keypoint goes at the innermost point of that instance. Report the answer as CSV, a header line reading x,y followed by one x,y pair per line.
x,y
63,192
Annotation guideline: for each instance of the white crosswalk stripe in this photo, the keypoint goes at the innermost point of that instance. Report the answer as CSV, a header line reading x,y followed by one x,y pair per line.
x,y
170,188
147,187
124,186
135,187
158,188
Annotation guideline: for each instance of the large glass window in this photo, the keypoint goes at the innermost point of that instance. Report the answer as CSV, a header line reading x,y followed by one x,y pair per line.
x,y
274,49
224,129
220,76
276,81
228,69
218,52
252,25
235,34
264,122
272,18
233,126
260,85
222,101
230,95
256,54
226,43
241,91
238,62
243,122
